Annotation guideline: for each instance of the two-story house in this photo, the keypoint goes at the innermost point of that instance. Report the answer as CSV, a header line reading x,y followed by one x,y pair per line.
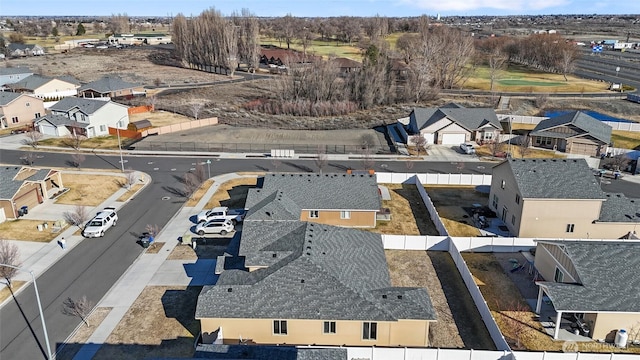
x,y
45,87
10,75
593,284
299,282
19,110
88,117
558,198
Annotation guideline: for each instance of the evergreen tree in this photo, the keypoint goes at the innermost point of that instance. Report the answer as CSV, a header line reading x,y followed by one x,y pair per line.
x,y
80,30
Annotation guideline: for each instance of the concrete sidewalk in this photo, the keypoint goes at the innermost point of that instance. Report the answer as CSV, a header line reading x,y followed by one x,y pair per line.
x,y
155,270
40,256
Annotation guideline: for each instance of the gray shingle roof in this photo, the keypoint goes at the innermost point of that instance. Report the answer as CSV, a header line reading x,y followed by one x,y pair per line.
x,y
262,352
61,120
608,272
14,70
319,191
323,272
594,127
87,106
7,97
554,179
619,208
108,84
469,118
31,82
8,186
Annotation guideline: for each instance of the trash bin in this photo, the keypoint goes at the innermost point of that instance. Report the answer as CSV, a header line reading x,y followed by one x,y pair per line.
x,y
145,243
20,212
25,210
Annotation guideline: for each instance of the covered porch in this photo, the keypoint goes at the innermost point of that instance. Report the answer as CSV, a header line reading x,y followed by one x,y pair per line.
x,y
560,324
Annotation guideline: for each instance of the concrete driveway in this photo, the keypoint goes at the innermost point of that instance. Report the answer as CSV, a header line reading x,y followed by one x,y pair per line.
x,y
448,153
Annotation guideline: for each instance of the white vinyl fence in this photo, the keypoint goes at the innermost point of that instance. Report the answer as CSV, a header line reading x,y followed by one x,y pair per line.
x,y
434,179
415,242
433,212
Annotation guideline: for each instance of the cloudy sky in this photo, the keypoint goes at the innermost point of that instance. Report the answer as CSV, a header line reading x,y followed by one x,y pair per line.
x,y
320,8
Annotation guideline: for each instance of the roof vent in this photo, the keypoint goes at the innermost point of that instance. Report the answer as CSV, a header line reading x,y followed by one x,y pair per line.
x,y
268,213
399,297
384,296
301,281
308,247
229,290
274,255
308,253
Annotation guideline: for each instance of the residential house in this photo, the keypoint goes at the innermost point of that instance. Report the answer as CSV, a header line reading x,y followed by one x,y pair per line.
x,y
594,283
346,65
21,50
573,133
112,87
88,117
26,186
139,39
270,55
46,88
559,198
287,281
19,110
453,124
354,200
10,75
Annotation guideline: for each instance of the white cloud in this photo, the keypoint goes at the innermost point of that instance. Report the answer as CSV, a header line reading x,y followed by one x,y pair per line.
x,y
515,6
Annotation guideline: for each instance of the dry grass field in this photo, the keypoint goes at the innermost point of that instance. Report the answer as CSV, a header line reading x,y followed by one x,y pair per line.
x,y
27,230
199,193
451,201
83,189
232,193
160,118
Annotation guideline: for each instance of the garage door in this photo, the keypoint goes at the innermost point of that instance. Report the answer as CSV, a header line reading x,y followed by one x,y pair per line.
x,y
47,129
583,149
29,199
453,139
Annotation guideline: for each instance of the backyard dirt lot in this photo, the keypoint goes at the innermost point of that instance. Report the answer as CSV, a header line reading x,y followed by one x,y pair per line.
x,y
452,203
459,324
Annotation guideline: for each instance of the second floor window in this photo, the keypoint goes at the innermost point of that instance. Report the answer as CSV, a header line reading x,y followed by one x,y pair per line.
x,y
314,214
280,327
329,327
369,331
345,214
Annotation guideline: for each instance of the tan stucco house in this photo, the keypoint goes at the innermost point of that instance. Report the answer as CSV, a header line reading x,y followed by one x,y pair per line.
x,y
559,198
453,124
595,283
298,282
47,88
26,186
573,133
19,110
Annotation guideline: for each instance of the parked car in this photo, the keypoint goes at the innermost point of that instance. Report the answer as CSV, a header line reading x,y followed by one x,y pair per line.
x,y
102,222
222,212
215,226
467,148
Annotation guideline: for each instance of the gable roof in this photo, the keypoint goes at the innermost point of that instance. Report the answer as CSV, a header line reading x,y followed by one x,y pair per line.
x,y
60,120
87,106
594,127
608,272
311,192
343,62
31,82
17,46
469,118
554,179
6,97
15,70
329,273
108,84
9,185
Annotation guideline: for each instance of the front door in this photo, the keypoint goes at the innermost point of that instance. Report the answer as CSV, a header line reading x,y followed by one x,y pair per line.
x,y
504,214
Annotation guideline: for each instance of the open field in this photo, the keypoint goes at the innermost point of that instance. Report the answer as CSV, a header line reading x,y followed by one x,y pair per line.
x,y
83,189
322,48
232,193
160,323
459,324
408,216
451,203
27,230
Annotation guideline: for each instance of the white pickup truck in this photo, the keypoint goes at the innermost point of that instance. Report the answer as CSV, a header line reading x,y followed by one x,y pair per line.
x,y
104,220
222,212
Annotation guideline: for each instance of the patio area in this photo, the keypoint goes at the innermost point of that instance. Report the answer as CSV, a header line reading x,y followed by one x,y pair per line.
x,y
568,325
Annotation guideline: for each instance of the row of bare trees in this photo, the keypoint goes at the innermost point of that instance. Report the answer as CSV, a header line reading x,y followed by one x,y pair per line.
x,y
214,40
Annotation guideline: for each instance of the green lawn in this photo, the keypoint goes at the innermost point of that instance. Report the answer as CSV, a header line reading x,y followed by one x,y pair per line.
x,y
320,48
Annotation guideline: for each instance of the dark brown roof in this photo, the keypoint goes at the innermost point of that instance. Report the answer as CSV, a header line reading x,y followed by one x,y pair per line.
x,y
141,124
347,63
285,54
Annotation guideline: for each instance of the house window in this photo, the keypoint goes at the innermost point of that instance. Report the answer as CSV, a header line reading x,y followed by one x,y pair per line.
x,y
313,214
329,327
369,331
37,115
103,128
517,198
495,201
345,214
513,219
558,276
570,227
487,136
14,119
280,327
502,184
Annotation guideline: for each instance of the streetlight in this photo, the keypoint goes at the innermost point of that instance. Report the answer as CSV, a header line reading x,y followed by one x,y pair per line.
x,y
119,143
209,167
44,325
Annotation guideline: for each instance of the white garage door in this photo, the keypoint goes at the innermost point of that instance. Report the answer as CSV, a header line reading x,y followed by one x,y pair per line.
x,y
453,139
47,129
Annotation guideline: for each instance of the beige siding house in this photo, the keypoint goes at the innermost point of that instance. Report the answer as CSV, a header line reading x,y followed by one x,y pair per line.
x,y
26,186
558,198
573,133
591,285
299,282
49,89
19,110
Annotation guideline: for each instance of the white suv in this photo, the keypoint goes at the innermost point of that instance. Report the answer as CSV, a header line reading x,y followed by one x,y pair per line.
x,y
101,223
215,226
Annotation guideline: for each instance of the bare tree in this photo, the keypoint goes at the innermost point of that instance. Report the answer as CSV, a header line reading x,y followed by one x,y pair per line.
x,y
368,162
495,147
130,177
524,146
78,158
618,162
196,106
33,138
567,62
152,230
321,160
78,216
9,255
419,141
81,308
496,61
152,101
367,141
75,140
